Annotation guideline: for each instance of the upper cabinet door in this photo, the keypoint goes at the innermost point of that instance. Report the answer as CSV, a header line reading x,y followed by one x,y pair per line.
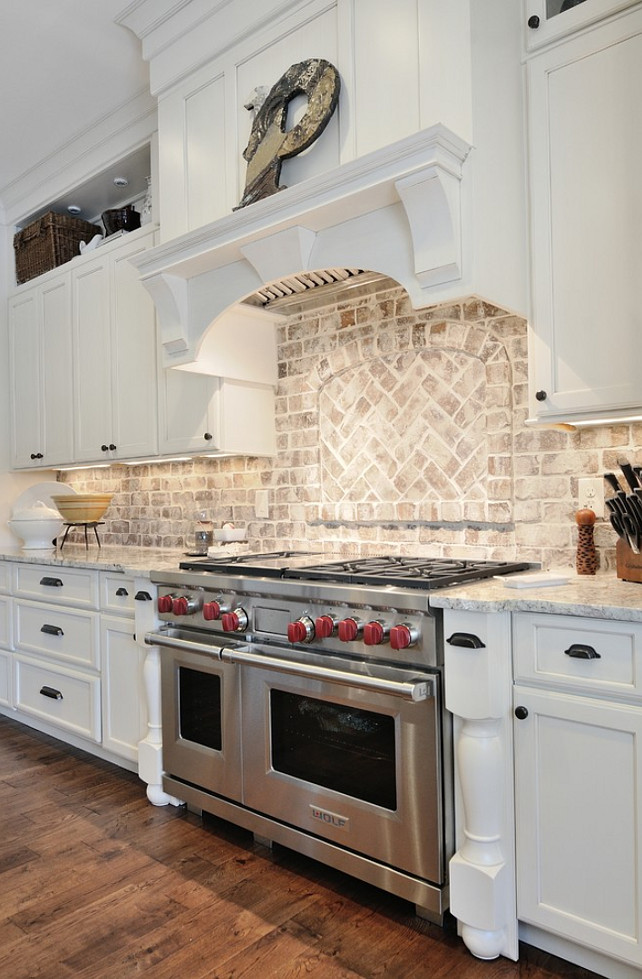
x,y
548,20
92,365
26,385
134,356
115,348
586,223
41,374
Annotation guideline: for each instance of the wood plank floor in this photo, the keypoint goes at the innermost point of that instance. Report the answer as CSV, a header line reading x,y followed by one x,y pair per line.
x,y
95,882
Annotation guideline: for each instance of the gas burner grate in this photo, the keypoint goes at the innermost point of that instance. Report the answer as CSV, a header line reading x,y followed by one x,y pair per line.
x,y
422,573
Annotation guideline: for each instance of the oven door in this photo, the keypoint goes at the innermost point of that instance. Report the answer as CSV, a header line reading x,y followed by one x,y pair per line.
x,y
347,752
200,699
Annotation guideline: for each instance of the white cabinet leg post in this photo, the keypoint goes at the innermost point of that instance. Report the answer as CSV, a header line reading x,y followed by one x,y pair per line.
x,y
478,683
150,749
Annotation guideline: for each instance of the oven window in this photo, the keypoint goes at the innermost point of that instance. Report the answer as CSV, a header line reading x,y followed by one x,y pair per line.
x,y
346,749
200,707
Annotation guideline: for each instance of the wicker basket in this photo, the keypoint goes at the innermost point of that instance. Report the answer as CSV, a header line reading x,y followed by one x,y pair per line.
x,y
49,242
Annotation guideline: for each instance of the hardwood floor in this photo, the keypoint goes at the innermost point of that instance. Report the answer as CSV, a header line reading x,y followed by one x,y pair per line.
x,y
95,882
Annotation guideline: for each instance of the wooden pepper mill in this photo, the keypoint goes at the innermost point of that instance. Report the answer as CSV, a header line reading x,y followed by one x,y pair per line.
x,y
586,559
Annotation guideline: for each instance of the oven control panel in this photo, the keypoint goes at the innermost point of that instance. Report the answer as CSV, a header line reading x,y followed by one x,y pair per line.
x,y
347,628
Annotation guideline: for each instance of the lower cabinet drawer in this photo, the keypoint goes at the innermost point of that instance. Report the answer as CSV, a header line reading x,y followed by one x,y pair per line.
x,y
70,635
63,697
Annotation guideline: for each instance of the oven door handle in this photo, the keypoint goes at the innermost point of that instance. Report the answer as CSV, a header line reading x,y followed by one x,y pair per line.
x,y
189,645
418,688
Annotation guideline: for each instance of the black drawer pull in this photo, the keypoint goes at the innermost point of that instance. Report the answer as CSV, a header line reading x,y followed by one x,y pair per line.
x,y
51,582
122,592
51,692
580,651
466,639
52,630
142,596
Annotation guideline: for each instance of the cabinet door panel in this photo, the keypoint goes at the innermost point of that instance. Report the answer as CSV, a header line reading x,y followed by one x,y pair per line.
x,y
578,805
586,212
92,375
133,357
57,372
124,704
188,408
26,384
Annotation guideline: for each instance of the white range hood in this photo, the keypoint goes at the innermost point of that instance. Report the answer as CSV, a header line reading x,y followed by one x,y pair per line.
x,y
400,211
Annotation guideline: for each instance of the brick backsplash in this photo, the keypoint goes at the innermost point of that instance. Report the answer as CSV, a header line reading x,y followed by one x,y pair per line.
x,y
398,430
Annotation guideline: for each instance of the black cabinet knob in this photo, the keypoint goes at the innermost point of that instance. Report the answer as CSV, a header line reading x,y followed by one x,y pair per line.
x,y
541,395
104,448
521,713
533,22
33,455
207,436
112,447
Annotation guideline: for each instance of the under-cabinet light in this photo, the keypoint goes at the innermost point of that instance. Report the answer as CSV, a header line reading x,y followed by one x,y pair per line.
x,y
156,461
619,420
87,465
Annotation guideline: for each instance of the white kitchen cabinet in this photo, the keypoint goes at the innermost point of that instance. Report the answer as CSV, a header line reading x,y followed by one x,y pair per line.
x,y
124,708
202,414
57,652
584,95
545,21
578,792
40,358
114,332
69,660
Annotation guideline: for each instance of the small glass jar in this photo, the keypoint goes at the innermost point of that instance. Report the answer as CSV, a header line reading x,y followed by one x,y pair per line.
x,y
203,532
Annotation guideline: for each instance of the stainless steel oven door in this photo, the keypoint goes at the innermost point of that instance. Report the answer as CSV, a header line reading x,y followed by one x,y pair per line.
x,y
348,752
200,698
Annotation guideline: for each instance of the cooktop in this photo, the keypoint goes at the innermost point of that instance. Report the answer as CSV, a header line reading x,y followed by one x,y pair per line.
x,y
409,572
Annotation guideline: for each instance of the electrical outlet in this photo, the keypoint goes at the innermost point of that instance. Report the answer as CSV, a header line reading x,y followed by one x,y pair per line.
x,y
261,504
591,494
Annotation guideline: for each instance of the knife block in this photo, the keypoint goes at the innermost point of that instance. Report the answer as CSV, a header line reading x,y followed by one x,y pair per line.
x,y
628,563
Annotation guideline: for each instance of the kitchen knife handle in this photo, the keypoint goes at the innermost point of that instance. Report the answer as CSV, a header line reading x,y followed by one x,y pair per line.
x,y
629,475
612,480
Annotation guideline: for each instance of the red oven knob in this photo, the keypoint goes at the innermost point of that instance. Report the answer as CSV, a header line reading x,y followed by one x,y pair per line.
x,y
324,626
185,605
213,610
165,603
374,633
236,621
348,630
402,636
301,631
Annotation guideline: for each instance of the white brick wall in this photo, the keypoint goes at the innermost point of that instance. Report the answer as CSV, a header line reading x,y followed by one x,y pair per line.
x,y
398,430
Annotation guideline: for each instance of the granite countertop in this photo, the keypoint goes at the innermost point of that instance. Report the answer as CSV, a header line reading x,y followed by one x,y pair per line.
x,y
129,560
602,596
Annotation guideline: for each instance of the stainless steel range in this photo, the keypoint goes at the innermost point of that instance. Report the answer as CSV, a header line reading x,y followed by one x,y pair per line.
x,y
302,699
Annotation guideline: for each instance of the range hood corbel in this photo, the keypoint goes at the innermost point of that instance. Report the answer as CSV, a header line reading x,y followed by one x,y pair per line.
x,y
396,211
